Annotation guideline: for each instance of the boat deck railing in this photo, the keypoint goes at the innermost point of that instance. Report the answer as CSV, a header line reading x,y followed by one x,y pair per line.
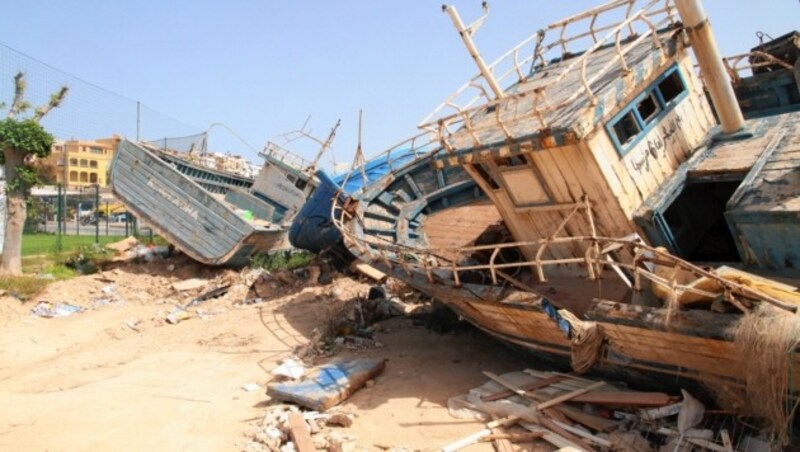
x,y
738,66
280,154
396,156
630,258
621,23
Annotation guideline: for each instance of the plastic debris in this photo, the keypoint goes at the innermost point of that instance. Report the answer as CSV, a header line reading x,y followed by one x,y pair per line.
x,y
48,310
290,368
177,315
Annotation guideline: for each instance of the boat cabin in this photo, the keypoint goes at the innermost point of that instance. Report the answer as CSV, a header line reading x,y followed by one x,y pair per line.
x,y
623,123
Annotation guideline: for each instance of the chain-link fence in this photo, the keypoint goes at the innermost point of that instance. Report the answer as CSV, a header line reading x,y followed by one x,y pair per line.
x,y
89,112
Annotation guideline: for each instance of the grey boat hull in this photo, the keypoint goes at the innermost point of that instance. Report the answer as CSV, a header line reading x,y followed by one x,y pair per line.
x,y
186,215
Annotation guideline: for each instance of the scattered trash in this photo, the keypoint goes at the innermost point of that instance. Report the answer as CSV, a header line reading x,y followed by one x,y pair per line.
x,y
290,368
329,384
133,324
98,303
214,293
250,387
48,310
109,289
47,276
177,315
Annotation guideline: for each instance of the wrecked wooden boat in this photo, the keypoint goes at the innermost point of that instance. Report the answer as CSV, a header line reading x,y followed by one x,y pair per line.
x,y
211,228
313,229
212,180
627,232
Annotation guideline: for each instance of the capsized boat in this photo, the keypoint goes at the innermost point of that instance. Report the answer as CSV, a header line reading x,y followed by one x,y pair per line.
x,y
628,232
213,217
313,228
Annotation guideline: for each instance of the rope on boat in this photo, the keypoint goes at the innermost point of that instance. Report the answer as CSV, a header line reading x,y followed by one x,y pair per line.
x,y
587,341
766,340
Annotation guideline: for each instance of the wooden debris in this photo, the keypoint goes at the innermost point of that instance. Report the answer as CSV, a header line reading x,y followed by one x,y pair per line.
x,y
368,270
300,434
569,396
627,398
532,386
475,437
513,437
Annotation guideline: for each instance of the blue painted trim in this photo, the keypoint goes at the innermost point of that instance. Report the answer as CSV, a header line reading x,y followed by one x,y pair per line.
x,y
644,129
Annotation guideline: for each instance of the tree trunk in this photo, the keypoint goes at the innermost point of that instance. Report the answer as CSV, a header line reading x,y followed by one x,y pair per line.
x,y
17,210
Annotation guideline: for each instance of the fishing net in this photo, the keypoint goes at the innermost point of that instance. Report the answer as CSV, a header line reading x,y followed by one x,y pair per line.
x,y
587,340
766,340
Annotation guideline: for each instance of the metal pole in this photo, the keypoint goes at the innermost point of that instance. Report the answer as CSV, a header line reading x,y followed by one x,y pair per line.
x,y
59,213
78,219
716,77
97,213
466,36
127,214
107,217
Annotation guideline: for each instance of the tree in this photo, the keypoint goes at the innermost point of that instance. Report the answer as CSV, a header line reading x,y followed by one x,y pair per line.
x,y
22,139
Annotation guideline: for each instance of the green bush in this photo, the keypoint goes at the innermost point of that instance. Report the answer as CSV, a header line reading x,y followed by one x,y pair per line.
x,y
282,260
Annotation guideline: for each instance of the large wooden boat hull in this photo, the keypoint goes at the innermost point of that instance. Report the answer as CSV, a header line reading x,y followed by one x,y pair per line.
x,y
202,226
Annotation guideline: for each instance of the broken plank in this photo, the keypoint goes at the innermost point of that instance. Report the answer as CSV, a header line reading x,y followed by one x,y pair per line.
x,y
569,396
300,434
626,398
477,436
527,387
369,271
550,437
578,432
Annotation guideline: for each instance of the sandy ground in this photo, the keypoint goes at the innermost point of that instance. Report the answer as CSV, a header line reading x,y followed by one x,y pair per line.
x,y
91,382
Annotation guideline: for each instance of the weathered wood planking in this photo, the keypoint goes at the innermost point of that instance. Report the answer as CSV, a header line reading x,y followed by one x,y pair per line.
x,y
764,213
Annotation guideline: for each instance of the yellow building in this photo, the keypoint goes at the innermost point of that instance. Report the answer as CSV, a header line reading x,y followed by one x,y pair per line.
x,y
83,163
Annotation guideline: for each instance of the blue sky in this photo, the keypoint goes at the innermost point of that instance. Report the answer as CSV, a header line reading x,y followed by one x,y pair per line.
x,y
261,67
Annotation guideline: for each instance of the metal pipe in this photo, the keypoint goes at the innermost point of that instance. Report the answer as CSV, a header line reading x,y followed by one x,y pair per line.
x,y
716,78
466,36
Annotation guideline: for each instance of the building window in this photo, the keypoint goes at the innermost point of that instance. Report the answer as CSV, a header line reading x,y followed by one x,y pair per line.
x,y
84,176
73,176
633,122
96,150
93,178
84,163
92,163
73,162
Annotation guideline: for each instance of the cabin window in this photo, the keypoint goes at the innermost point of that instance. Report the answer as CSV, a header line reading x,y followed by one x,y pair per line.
x,y
671,87
626,128
648,108
637,118
301,184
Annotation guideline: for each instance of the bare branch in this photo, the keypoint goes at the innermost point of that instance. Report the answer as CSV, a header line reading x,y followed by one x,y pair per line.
x,y
55,101
18,105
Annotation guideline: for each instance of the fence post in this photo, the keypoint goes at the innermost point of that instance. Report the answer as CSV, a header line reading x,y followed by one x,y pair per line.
x,y
97,213
59,213
107,217
127,214
78,219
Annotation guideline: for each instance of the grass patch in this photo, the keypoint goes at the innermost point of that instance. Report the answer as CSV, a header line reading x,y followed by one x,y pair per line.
x,y
22,287
33,244
281,260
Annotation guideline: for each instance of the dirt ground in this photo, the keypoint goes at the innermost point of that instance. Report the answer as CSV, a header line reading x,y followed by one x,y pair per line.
x,y
118,377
